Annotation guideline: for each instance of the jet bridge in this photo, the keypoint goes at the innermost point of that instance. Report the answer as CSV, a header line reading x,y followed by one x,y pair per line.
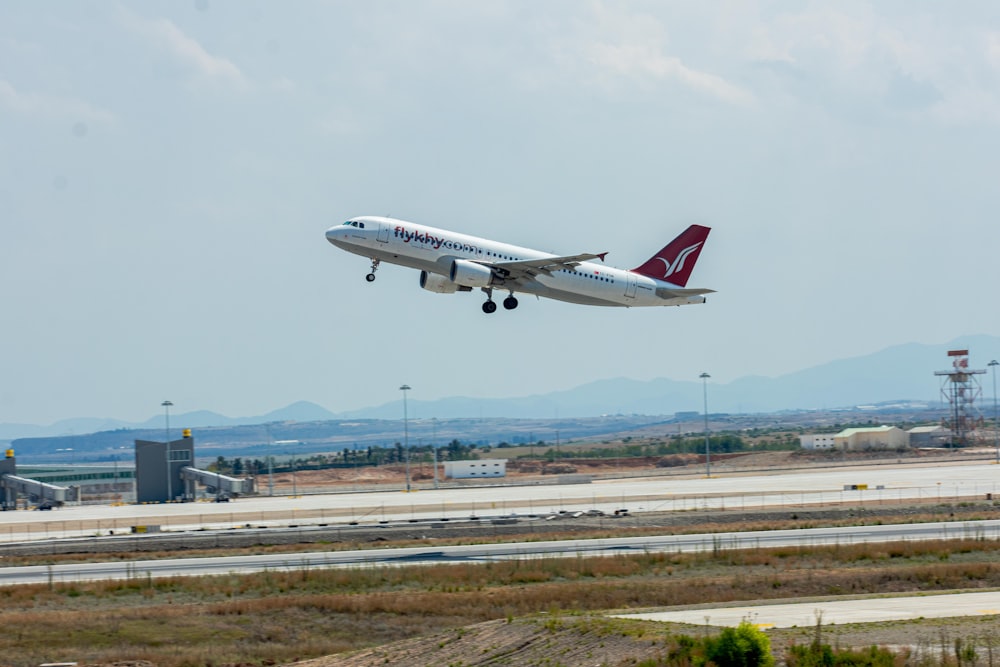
x,y
45,496
222,486
165,472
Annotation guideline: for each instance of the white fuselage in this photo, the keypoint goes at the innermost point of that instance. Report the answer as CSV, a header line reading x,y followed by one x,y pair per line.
x,y
434,250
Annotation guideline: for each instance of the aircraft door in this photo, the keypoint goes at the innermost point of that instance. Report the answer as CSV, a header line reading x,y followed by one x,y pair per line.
x,y
630,286
383,232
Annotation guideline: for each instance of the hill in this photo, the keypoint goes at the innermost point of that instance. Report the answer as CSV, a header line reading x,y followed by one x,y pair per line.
x,y
902,374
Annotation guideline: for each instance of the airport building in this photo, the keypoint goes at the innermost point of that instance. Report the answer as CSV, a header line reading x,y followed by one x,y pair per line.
x,y
876,437
858,439
95,483
165,472
41,494
929,436
475,469
817,440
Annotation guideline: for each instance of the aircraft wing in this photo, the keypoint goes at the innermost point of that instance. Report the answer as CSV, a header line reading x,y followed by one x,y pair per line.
x,y
529,268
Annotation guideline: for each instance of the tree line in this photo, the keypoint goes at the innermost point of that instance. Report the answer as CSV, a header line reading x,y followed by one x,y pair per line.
x,y
373,455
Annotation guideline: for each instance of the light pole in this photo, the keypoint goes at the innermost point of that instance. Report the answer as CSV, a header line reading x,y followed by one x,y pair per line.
x,y
996,426
434,450
406,435
166,413
708,460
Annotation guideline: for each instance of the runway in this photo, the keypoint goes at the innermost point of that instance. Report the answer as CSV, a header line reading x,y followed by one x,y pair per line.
x,y
886,484
705,542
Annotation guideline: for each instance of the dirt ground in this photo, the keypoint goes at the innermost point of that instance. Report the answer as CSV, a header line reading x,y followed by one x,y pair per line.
x,y
596,640
519,470
521,642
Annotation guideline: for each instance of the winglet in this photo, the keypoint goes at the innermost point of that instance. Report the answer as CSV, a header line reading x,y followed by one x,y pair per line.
x,y
602,255
675,262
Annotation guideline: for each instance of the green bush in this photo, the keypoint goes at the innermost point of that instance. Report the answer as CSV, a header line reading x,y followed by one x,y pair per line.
x,y
742,646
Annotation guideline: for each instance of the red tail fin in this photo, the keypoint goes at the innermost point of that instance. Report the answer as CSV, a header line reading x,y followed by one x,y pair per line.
x,y
676,261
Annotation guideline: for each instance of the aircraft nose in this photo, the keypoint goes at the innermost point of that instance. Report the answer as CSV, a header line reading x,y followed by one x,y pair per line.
x,y
333,233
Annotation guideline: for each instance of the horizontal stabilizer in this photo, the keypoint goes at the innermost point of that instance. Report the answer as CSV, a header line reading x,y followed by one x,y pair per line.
x,y
677,293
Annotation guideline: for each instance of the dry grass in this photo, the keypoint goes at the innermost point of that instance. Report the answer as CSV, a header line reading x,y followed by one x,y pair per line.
x,y
281,616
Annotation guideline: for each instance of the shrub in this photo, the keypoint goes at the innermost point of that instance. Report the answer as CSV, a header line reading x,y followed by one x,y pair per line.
x,y
821,655
742,646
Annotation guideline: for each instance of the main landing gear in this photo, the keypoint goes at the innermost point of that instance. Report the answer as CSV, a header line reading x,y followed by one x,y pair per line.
x,y
371,276
490,306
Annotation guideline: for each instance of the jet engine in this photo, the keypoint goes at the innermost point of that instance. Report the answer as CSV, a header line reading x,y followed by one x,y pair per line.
x,y
470,274
433,282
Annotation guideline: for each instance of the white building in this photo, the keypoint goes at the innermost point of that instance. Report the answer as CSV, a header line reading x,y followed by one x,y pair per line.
x,y
877,437
817,441
475,469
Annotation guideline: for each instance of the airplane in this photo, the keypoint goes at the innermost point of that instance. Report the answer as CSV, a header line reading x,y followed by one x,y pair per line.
x,y
450,262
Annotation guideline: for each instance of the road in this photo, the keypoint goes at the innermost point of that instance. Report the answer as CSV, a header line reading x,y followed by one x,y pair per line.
x,y
487,552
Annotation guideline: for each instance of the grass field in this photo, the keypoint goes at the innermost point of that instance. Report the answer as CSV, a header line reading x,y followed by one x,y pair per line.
x,y
274,618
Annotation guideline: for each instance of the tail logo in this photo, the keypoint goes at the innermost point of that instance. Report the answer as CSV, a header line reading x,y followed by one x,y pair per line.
x,y
678,265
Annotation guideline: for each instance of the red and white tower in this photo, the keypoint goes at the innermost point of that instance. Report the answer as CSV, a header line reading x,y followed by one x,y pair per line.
x,y
961,388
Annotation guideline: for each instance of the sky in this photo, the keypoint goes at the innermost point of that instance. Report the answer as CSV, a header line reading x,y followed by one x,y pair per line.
x,y
168,169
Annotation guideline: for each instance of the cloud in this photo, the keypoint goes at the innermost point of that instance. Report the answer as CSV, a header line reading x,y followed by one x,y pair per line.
x,y
340,122
940,65
613,46
40,104
642,62
186,50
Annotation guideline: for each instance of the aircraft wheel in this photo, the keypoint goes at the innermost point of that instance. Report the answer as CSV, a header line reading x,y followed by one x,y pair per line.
x,y
370,277
489,307
510,303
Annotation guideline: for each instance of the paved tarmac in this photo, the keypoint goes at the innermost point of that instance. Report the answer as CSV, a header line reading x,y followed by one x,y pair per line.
x,y
465,553
836,612
886,484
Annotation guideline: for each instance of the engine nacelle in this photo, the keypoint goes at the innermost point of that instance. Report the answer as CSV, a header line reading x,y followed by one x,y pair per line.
x,y
470,274
433,282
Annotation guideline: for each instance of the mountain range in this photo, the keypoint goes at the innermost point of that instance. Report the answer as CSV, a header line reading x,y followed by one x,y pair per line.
x,y
902,373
